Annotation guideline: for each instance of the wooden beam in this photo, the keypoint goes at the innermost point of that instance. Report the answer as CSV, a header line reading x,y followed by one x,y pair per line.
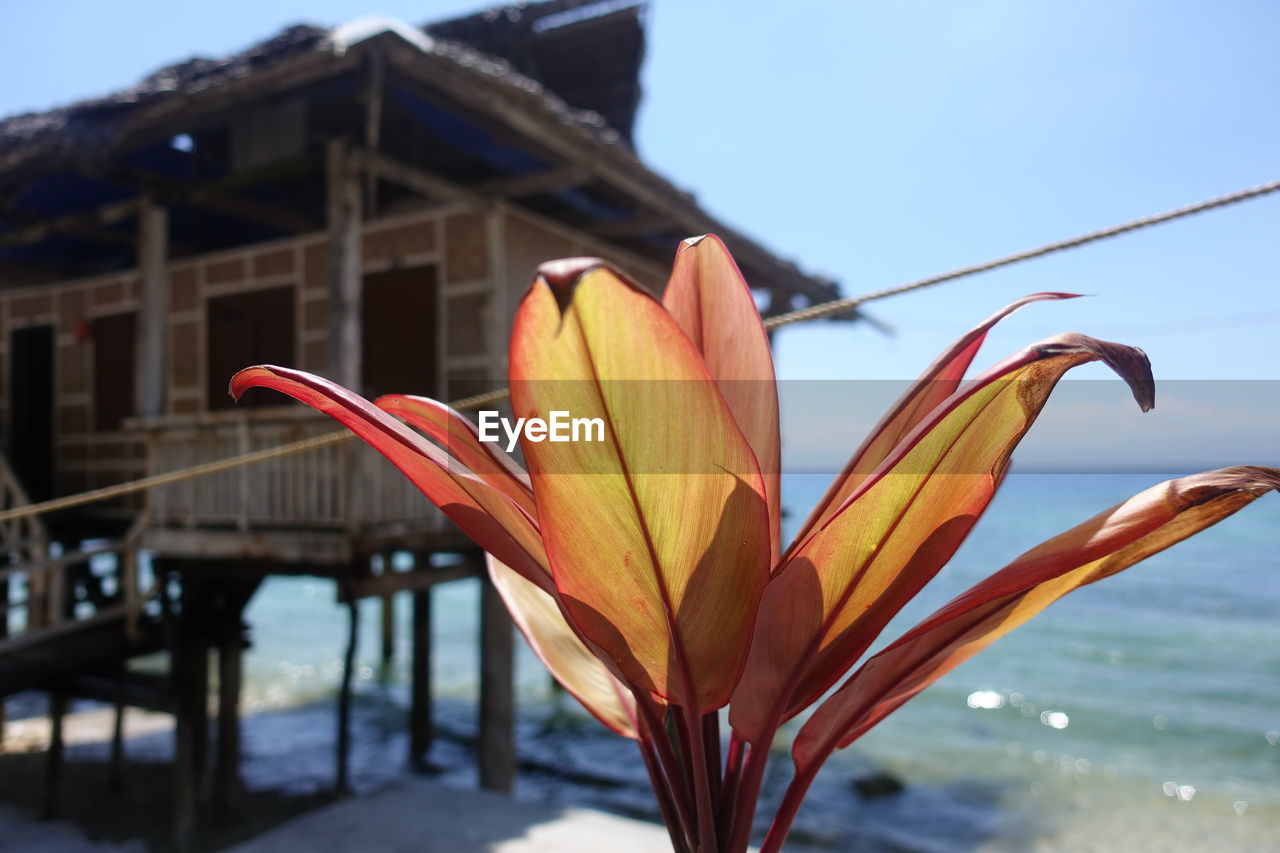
x,y
635,227
409,177
95,219
371,586
497,754
375,89
538,183
216,196
269,215
153,320
345,282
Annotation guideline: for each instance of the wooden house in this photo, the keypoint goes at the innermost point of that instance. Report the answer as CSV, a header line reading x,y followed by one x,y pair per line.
x,y
368,203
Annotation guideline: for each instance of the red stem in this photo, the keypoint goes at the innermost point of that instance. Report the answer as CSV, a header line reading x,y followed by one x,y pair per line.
x,y
729,789
672,769
662,792
711,744
695,757
744,811
791,801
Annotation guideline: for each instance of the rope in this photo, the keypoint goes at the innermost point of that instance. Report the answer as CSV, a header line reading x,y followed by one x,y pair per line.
x,y
813,312
838,306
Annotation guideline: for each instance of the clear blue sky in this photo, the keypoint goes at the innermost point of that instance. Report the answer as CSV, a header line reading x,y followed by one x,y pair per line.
x,y
881,142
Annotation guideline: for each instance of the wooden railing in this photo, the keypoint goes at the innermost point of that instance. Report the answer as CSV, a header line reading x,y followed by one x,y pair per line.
x,y
343,487
45,603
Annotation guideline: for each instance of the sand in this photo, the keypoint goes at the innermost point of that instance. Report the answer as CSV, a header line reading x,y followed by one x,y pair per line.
x,y
424,817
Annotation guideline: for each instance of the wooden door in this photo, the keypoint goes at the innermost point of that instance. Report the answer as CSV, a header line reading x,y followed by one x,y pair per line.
x,y
398,334
30,445
115,350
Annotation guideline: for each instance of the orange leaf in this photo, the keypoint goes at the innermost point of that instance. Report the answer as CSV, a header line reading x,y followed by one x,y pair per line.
x,y
461,439
934,386
483,512
841,586
1106,544
711,301
657,536
539,619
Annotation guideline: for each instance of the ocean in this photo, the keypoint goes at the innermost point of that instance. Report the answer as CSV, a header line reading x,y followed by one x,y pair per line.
x,y
1141,713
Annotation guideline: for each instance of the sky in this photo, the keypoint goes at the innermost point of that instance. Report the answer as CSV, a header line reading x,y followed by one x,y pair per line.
x,y
882,142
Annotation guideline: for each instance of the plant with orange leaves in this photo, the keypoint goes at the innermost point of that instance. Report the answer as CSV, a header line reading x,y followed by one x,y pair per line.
x,y
647,570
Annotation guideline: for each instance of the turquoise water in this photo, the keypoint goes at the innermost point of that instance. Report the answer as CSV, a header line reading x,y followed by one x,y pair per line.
x,y
1140,713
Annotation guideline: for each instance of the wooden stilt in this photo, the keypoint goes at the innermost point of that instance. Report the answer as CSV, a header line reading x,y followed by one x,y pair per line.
x,y
190,671
420,721
497,712
388,625
4,632
115,770
200,716
343,782
227,770
53,765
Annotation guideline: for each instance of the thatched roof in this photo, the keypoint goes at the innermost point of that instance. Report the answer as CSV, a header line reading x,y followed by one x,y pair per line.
x,y
512,92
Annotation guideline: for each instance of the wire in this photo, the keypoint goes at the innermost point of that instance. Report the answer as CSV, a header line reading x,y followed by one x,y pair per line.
x,y
813,312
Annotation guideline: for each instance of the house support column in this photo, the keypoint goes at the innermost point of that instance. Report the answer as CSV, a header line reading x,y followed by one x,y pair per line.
x,y
342,780
153,309
53,758
344,191
420,717
497,691
226,782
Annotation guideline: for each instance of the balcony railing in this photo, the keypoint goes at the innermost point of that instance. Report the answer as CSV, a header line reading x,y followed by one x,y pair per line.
x,y
344,487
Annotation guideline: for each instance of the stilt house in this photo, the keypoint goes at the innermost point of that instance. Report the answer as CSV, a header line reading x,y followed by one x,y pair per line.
x,y
368,203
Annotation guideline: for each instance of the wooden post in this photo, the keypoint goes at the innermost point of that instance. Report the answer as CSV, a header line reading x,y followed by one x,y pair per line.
x,y
497,735
115,770
227,770
4,632
388,625
53,764
345,283
190,670
153,313
343,781
420,716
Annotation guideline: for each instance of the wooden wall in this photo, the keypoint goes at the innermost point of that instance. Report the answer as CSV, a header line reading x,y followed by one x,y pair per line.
x,y
484,259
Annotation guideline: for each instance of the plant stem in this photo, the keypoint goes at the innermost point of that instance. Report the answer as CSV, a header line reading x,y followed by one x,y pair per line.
x,y
744,811
672,770
729,788
695,757
791,801
662,792
711,744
